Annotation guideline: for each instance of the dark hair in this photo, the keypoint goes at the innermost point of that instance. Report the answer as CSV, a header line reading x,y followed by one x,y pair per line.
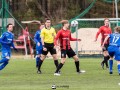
x,y
47,19
9,25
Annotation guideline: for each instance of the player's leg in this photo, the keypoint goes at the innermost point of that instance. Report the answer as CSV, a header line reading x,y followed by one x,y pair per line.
x,y
54,55
117,58
43,56
63,59
5,59
118,66
106,56
38,55
3,65
111,54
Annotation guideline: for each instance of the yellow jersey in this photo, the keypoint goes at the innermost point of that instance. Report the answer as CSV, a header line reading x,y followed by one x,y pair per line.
x,y
48,34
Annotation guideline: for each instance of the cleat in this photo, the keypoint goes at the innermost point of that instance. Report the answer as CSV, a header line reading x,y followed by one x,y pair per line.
x,y
81,71
102,65
110,72
119,73
39,72
57,74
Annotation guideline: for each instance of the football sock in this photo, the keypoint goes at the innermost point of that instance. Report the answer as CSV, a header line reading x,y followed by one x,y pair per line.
x,y
39,64
3,60
56,63
106,58
110,65
37,61
59,67
77,66
3,65
118,68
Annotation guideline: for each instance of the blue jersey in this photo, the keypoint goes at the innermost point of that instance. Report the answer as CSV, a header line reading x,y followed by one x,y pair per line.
x,y
6,41
38,39
114,39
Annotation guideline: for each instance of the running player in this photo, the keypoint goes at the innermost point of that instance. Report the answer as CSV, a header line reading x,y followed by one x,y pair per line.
x,y
114,48
64,37
6,41
104,31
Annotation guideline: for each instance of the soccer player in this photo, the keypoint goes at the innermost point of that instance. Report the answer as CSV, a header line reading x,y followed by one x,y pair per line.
x,y
114,48
104,31
47,36
39,46
6,41
64,37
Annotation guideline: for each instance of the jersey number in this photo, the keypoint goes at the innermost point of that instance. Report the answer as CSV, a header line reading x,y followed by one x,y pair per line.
x,y
115,39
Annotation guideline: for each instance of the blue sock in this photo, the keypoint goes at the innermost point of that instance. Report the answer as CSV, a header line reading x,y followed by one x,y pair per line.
x,y
3,60
37,61
110,65
3,65
118,68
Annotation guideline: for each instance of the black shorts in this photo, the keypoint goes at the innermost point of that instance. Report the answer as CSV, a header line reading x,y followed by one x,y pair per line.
x,y
70,53
105,47
50,48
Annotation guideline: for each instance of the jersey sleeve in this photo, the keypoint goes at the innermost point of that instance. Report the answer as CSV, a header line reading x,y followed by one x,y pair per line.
x,y
99,31
57,37
35,37
54,32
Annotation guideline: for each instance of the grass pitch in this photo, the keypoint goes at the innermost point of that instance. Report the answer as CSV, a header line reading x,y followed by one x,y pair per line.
x,y
20,74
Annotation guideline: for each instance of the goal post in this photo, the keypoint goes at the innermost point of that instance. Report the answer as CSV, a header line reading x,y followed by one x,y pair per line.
x,y
86,30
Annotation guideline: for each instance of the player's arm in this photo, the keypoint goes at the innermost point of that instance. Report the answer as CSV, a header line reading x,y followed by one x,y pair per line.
x,y
35,37
73,39
2,40
56,38
97,34
105,40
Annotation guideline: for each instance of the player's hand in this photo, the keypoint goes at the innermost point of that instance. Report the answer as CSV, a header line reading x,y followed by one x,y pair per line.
x,y
44,49
56,47
95,40
79,40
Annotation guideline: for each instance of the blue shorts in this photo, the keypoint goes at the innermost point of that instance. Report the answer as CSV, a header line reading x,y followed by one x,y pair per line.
x,y
114,51
6,53
39,50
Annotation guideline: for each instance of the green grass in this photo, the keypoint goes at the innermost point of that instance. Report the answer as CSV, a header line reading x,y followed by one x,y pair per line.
x,y
20,74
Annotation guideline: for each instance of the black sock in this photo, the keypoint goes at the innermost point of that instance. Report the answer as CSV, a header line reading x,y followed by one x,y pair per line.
x,y
77,66
56,63
39,64
59,67
106,60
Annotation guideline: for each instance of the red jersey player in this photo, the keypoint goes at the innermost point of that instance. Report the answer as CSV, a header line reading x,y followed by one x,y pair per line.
x,y
104,31
64,37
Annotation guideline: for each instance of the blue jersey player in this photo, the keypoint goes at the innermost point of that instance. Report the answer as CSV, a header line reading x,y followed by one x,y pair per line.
x,y
114,48
39,47
6,41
